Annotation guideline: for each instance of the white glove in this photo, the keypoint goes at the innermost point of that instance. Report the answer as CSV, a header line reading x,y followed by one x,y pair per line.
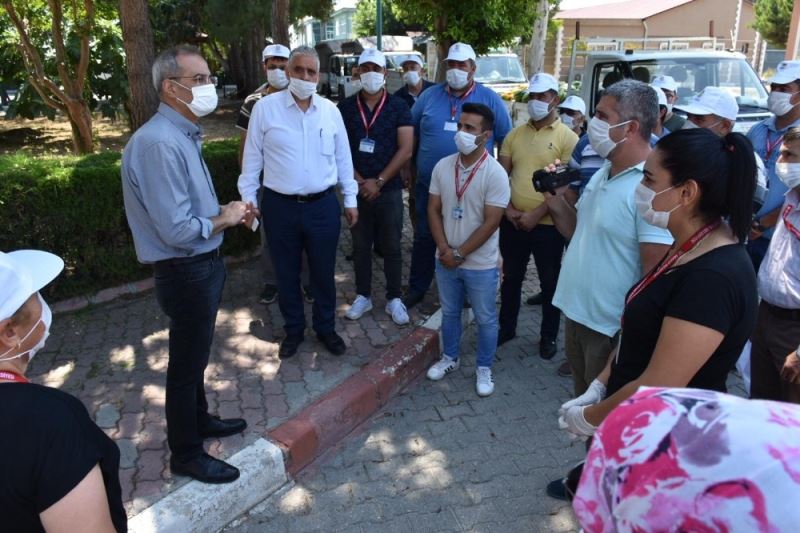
x,y
575,423
594,394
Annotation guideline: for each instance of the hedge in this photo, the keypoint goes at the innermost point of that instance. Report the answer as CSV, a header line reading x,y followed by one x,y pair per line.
x,y
72,206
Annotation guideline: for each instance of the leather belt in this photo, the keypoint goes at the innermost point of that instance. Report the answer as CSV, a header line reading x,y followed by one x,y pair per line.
x,y
782,312
213,254
303,198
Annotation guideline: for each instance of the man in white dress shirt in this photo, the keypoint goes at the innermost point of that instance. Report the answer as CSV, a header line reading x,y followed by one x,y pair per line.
x,y
299,141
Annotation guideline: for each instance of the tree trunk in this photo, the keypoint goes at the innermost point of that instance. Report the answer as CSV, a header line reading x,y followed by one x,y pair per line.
x,y
539,38
80,119
442,47
280,22
137,38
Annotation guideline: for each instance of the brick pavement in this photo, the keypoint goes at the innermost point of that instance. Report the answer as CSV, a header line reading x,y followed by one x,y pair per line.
x,y
114,358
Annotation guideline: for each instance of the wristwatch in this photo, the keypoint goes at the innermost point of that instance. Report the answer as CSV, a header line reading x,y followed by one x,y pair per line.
x,y
457,255
380,182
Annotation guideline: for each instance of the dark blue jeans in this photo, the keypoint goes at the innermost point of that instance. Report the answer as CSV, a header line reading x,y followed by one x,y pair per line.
x,y
423,252
189,294
292,227
516,246
379,221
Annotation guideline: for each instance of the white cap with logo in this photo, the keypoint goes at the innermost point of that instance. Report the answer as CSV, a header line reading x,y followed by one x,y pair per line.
x,y
275,50
372,55
787,72
22,274
662,98
712,101
575,103
665,82
460,52
542,82
414,58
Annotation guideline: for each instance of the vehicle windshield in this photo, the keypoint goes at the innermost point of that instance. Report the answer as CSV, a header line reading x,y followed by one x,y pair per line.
x,y
499,69
694,74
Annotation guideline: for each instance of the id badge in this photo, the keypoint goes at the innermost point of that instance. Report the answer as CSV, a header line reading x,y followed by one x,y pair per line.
x,y
367,146
458,213
450,126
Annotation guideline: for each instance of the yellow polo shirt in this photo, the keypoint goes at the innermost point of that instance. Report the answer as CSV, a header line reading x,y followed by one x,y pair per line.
x,y
530,150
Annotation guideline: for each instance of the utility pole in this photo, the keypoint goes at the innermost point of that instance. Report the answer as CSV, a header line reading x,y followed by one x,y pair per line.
x,y
379,32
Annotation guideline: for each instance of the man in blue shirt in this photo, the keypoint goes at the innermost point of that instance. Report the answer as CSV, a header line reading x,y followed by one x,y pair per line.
x,y
435,118
177,226
766,136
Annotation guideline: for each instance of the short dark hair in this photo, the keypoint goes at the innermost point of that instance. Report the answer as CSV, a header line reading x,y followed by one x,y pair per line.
x,y
636,101
487,117
792,135
166,65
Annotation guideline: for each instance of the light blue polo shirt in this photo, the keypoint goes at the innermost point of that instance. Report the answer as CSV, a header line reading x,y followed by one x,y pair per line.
x,y
432,111
603,261
761,135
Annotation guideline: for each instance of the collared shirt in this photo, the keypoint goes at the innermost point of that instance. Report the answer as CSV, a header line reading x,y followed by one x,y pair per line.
x,y
603,260
409,98
586,160
764,136
167,188
779,275
675,122
531,150
433,110
395,114
299,152
489,186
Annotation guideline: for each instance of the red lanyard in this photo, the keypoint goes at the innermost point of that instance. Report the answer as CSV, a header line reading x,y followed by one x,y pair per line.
x,y
461,190
663,266
374,116
771,146
12,376
458,99
791,227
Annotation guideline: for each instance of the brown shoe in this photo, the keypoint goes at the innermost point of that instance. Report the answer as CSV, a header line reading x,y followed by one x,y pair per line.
x,y
564,370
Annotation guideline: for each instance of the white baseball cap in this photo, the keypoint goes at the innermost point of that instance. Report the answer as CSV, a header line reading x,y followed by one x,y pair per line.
x,y
712,101
372,55
274,50
662,98
787,72
574,103
460,52
413,57
665,82
542,82
22,274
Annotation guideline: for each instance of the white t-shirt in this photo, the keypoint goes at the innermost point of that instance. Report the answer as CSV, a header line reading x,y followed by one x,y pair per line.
x,y
489,186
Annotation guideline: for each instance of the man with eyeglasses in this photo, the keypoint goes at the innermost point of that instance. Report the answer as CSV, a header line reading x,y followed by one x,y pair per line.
x,y
274,57
177,226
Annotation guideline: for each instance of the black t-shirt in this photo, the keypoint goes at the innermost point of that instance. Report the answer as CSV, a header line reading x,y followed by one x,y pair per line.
x,y
48,446
716,290
395,114
407,97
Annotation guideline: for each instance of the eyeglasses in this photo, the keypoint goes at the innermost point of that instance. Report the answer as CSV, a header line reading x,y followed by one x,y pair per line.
x,y
198,80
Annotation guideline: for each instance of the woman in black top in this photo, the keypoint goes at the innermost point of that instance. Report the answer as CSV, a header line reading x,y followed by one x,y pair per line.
x,y
59,470
686,322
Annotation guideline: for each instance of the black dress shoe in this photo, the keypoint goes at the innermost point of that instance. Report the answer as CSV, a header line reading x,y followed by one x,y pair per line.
x,y
547,349
536,299
557,489
218,427
505,336
205,468
289,346
412,298
333,342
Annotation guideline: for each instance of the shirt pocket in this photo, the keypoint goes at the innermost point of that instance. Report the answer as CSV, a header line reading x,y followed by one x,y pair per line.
x,y
327,142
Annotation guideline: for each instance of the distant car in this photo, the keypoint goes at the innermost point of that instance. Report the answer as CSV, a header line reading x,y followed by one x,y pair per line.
x,y
500,72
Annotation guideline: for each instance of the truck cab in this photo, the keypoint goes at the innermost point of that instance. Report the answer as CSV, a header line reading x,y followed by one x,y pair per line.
x,y
693,70
501,72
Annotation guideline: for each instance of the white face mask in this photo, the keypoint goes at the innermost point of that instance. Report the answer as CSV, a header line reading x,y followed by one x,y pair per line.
x,y
204,99
789,174
301,88
567,120
411,77
599,138
465,142
457,79
372,82
277,78
689,125
46,318
644,205
669,109
538,109
779,103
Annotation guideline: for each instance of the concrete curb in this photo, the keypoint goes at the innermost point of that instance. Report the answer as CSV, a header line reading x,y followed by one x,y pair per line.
x,y
266,467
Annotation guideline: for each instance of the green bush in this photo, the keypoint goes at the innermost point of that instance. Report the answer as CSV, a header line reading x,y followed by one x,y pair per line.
x,y
72,206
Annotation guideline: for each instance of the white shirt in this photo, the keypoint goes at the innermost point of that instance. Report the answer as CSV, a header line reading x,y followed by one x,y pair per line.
x,y
299,152
779,275
489,186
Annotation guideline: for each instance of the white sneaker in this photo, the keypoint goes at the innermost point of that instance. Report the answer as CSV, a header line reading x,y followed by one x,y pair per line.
x,y
443,366
483,381
397,311
361,305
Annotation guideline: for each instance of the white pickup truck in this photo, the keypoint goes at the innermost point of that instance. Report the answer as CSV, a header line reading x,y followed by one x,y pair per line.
x,y
692,69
